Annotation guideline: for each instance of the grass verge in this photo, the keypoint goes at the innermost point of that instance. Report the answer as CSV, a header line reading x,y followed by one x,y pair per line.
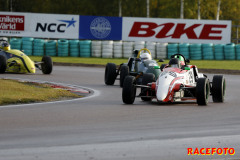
x,y
14,92
203,64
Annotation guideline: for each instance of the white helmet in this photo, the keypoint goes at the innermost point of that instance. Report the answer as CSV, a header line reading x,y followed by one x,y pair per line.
x,y
145,56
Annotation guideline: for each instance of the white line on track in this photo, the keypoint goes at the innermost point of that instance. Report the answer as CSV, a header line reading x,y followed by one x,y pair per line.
x,y
92,95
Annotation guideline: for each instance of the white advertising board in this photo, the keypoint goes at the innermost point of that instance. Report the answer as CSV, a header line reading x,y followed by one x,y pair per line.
x,y
176,30
54,26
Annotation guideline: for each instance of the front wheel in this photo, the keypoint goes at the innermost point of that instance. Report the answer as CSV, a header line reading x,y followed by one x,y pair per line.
x,y
110,74
129,90
47,65
123,73
202,91
218,88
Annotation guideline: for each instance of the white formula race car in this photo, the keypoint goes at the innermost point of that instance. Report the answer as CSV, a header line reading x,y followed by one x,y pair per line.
x,y
177,82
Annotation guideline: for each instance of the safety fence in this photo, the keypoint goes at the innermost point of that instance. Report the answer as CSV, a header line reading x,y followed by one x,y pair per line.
x,y
123,49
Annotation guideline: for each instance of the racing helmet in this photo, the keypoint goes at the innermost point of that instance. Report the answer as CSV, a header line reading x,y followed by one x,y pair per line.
x,y
145,56
181,59
5,46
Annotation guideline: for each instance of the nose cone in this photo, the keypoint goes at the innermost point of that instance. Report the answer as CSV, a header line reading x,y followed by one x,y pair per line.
x,y
29,64
163,87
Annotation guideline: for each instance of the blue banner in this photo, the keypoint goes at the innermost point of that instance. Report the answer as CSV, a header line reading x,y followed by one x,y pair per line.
x,y
101,28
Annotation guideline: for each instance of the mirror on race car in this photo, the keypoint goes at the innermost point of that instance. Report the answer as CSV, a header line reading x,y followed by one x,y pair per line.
x,y
186,68
156,67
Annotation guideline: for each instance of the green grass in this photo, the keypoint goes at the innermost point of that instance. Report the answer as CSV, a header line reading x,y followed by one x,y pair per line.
x,y
14,92
204,64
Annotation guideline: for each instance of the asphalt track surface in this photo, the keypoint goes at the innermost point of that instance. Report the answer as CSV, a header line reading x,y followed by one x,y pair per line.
x,y
101,127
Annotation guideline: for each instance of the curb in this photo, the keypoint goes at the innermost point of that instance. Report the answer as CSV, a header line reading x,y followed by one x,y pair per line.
x,y
81,91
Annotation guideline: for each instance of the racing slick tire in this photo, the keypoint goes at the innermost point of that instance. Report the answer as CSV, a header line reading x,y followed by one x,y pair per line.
x,y
218,88
124,71
3,64
110,74
129,90
147,78
202,91
47,65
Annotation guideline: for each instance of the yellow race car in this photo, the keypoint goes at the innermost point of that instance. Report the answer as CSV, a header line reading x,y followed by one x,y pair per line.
x,y
16,61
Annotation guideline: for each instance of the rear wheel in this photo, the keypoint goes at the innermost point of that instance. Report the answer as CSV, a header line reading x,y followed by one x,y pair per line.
x,y
47,65
129,90
123,73
110,74
147,78
3,64
202,91
218,88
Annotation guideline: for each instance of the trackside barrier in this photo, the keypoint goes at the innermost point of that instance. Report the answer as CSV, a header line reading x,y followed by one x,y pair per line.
x,y
27,45
38,47
16,43
74,48
51,48
85,48
63,46
184,50
123,49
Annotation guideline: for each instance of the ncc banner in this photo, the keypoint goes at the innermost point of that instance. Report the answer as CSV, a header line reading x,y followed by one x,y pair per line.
x,y
54,26
101,28
14,24
176,30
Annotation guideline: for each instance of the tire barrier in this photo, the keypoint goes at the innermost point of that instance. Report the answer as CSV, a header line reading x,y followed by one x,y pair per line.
x,y
139,45
63,48
207,51
27,45
51,48
219,52
16,43
85,48
127,49
117,49
237,51
172,48
151,46
107,49
74,48
161,50
195,51
96,49
120,49
229,51
38,47
184,50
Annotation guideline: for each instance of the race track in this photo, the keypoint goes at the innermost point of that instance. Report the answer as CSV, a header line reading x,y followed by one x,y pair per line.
x,y
101,127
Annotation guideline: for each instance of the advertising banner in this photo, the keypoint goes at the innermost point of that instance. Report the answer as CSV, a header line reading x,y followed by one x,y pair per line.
x,y
176,30
54,26
14,24
101,28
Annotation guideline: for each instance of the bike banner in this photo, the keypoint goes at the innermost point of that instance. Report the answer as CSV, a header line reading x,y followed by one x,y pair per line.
x,y
176,30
